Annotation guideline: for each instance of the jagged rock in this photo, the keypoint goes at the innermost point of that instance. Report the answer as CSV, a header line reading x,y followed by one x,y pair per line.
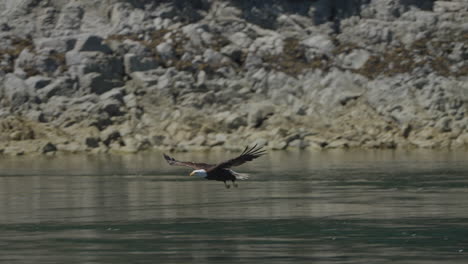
x,y
111,106
130,100
92,142
235,121
110,135
339,88
339,143
258,113
16,92
38,82
95,83
115,94
35,115
49,147
60,87
192,74
70,18
356,59
298,143
91,43
241,39
213,58
165,50
278,145
59,45
109,66
318,45
135,63
146,78
233,52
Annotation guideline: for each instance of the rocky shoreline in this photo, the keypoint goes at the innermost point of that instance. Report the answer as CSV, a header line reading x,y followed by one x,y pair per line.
x,y
129,76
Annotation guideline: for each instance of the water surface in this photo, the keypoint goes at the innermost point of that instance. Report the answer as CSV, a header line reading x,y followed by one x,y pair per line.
x,y
301,207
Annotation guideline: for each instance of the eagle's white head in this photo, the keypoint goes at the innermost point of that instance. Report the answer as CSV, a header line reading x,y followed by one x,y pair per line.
x,y
199,173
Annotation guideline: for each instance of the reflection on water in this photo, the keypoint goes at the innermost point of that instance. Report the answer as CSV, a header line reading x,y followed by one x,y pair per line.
x,y
327,207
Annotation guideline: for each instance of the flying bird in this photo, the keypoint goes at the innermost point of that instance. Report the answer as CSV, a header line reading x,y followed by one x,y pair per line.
x,y
220,171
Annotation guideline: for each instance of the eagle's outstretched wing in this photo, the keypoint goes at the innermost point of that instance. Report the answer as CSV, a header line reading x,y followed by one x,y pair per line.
x,y
247,155
193,165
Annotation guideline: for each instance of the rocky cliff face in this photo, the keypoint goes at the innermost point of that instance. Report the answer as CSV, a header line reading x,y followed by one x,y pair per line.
x,y
129,75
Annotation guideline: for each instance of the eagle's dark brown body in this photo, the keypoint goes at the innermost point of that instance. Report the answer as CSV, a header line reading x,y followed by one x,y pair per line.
x,y
221,175
220,171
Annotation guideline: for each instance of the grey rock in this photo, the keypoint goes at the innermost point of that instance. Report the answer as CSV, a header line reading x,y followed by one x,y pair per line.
x,y
110,135
95,83
253,61
25,61
162,23
338,88
49,147
130,100
92,142
194,33
60,45
91,43
233,52
355,60
111,106
146,78
280,145
298,143
213,58
258,113
135,63
241,39
339,143
318,44
165,50
35,115
234,121
115,94
38,82
62,86
70,18
81,63
13,86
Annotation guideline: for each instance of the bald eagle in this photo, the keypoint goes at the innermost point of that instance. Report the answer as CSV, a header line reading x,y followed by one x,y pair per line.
x,y
220,171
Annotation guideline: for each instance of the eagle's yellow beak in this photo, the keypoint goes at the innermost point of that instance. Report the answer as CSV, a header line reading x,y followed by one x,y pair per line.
x,y
192,173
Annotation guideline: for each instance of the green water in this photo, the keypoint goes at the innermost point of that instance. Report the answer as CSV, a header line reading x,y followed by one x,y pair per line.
x,y
298,207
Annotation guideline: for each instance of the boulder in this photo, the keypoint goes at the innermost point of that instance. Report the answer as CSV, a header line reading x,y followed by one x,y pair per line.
x,y
91,43
59,45
95,83
110,135
318,45
69,20
12,84
213,58
111,106
49,147
233,52
61,86
92,142
354,60
165,50
145,79
38,82
135,63
259,112
240,39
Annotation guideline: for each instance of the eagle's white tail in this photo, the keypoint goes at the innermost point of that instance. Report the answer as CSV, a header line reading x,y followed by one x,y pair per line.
x,y
240,176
